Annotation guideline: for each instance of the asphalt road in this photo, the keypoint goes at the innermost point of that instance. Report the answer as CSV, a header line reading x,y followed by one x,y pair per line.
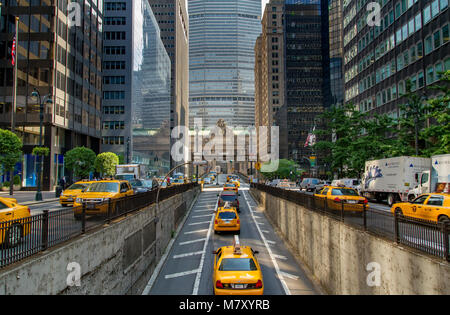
x,y
189,265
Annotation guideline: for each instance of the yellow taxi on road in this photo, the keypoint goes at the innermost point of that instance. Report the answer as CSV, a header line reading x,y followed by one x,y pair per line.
x,y
227,220
237,183
230,186
98,196
14,222
432,207
237,271
333,197
69,195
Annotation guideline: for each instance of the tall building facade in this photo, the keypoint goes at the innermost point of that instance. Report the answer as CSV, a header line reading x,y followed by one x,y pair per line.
x,y
296,71
336,52
173,22
222,39
136,86
411,43
63,62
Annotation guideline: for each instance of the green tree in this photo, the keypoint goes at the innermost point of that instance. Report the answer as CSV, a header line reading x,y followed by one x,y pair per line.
x,y
80,161
437,134
409,123
121,158
40,151
10,150
286,169
105,163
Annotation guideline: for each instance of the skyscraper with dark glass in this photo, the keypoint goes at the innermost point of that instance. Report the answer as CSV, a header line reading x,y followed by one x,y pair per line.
x,y
221,52
63,61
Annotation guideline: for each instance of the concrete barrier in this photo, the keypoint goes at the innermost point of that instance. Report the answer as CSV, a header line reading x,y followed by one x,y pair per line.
x,y
346,260
115,259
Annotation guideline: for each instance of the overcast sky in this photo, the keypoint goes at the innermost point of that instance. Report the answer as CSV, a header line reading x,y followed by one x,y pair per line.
x,y
263,5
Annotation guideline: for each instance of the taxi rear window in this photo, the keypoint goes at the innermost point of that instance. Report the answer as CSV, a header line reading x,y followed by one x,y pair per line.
x,y
344,192
228,197
227,215
237,264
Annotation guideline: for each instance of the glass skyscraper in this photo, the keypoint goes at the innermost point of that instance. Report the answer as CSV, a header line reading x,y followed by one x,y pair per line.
x,y
221,53
150,92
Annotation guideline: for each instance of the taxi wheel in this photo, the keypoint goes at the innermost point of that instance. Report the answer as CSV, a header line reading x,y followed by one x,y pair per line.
x,y
399,212
14,235
444,219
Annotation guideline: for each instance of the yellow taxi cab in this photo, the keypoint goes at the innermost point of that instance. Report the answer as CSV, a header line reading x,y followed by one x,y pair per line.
x,y
237,183
227,220
432,207
177,181
99,195
334,197
230,186
237,271
69,195
14,222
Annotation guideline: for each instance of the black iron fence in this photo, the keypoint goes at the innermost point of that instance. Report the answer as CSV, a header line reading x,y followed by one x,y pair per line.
x,y
25,237
426,236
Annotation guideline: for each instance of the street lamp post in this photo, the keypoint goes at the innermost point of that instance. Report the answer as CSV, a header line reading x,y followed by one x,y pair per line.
x,y
46,99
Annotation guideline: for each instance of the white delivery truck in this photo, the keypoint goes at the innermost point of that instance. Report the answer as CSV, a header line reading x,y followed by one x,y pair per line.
x,y
130,171
436,179
392,178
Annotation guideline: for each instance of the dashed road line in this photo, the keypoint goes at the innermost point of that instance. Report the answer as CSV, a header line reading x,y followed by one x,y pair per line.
x,y
180,274
288,275
196,231
188,254
193,241
197,223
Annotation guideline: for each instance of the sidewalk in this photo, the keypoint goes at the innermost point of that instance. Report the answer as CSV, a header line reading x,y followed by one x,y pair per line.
x,y
28,197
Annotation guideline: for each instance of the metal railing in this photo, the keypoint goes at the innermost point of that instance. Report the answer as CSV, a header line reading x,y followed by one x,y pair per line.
x,y
426,236
22,238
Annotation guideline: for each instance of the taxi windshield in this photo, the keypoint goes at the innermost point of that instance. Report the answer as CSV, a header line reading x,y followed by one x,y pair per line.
x,y
228,197
344,192
230,185
76,186
227,215
103,187
237,264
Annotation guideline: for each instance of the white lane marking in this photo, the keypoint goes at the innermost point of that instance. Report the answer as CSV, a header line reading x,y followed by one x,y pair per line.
x,y
196,231
288,275
204,210
180,274
274,261
280,257
203,215
265,231
202,259
271,242
187,254
197,223
193,241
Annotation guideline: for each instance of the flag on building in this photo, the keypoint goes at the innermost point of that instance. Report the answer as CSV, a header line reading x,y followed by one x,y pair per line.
x,y
13,51
311,139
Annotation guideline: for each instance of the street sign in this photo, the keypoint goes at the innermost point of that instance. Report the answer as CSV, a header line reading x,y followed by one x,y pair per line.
x,y
258,165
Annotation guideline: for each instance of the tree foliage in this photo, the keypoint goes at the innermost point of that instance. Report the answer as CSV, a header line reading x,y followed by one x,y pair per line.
x,y
10,150
80,161
40,151
286,169
105,163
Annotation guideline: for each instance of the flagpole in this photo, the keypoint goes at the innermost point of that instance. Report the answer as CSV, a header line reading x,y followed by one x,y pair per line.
x,y
14,102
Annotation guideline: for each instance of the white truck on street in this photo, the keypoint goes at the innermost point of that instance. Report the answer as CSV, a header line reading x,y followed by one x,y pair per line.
x,y
130,171
403,178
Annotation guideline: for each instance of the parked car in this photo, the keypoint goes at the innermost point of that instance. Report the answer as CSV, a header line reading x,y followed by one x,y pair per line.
x,y
321,185
142,185
309,184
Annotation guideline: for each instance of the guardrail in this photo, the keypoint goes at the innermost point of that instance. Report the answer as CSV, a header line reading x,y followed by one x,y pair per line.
x,y
25,237
427,236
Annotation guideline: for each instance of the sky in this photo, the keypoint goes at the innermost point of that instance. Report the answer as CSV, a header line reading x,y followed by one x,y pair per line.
x,y
263,5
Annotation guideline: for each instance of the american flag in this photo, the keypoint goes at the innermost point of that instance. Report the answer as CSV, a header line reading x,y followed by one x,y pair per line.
x,y
13,51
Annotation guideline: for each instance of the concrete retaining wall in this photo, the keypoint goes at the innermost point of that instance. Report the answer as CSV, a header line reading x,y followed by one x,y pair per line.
x,y
337,255
115,259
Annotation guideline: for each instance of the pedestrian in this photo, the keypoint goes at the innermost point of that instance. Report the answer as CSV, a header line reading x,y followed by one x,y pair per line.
x,y
62,182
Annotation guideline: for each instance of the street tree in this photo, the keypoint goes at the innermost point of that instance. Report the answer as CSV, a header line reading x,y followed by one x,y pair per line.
x,y
105,163
80,161
437,134
10,150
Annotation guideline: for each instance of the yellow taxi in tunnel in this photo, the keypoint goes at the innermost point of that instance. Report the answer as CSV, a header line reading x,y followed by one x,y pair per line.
x,y
14,222
69,195
98,196
227,220
336,197
237,271
230,186
432,207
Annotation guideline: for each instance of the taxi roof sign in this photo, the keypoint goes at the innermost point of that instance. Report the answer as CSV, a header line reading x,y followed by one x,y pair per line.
x,y
237,245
